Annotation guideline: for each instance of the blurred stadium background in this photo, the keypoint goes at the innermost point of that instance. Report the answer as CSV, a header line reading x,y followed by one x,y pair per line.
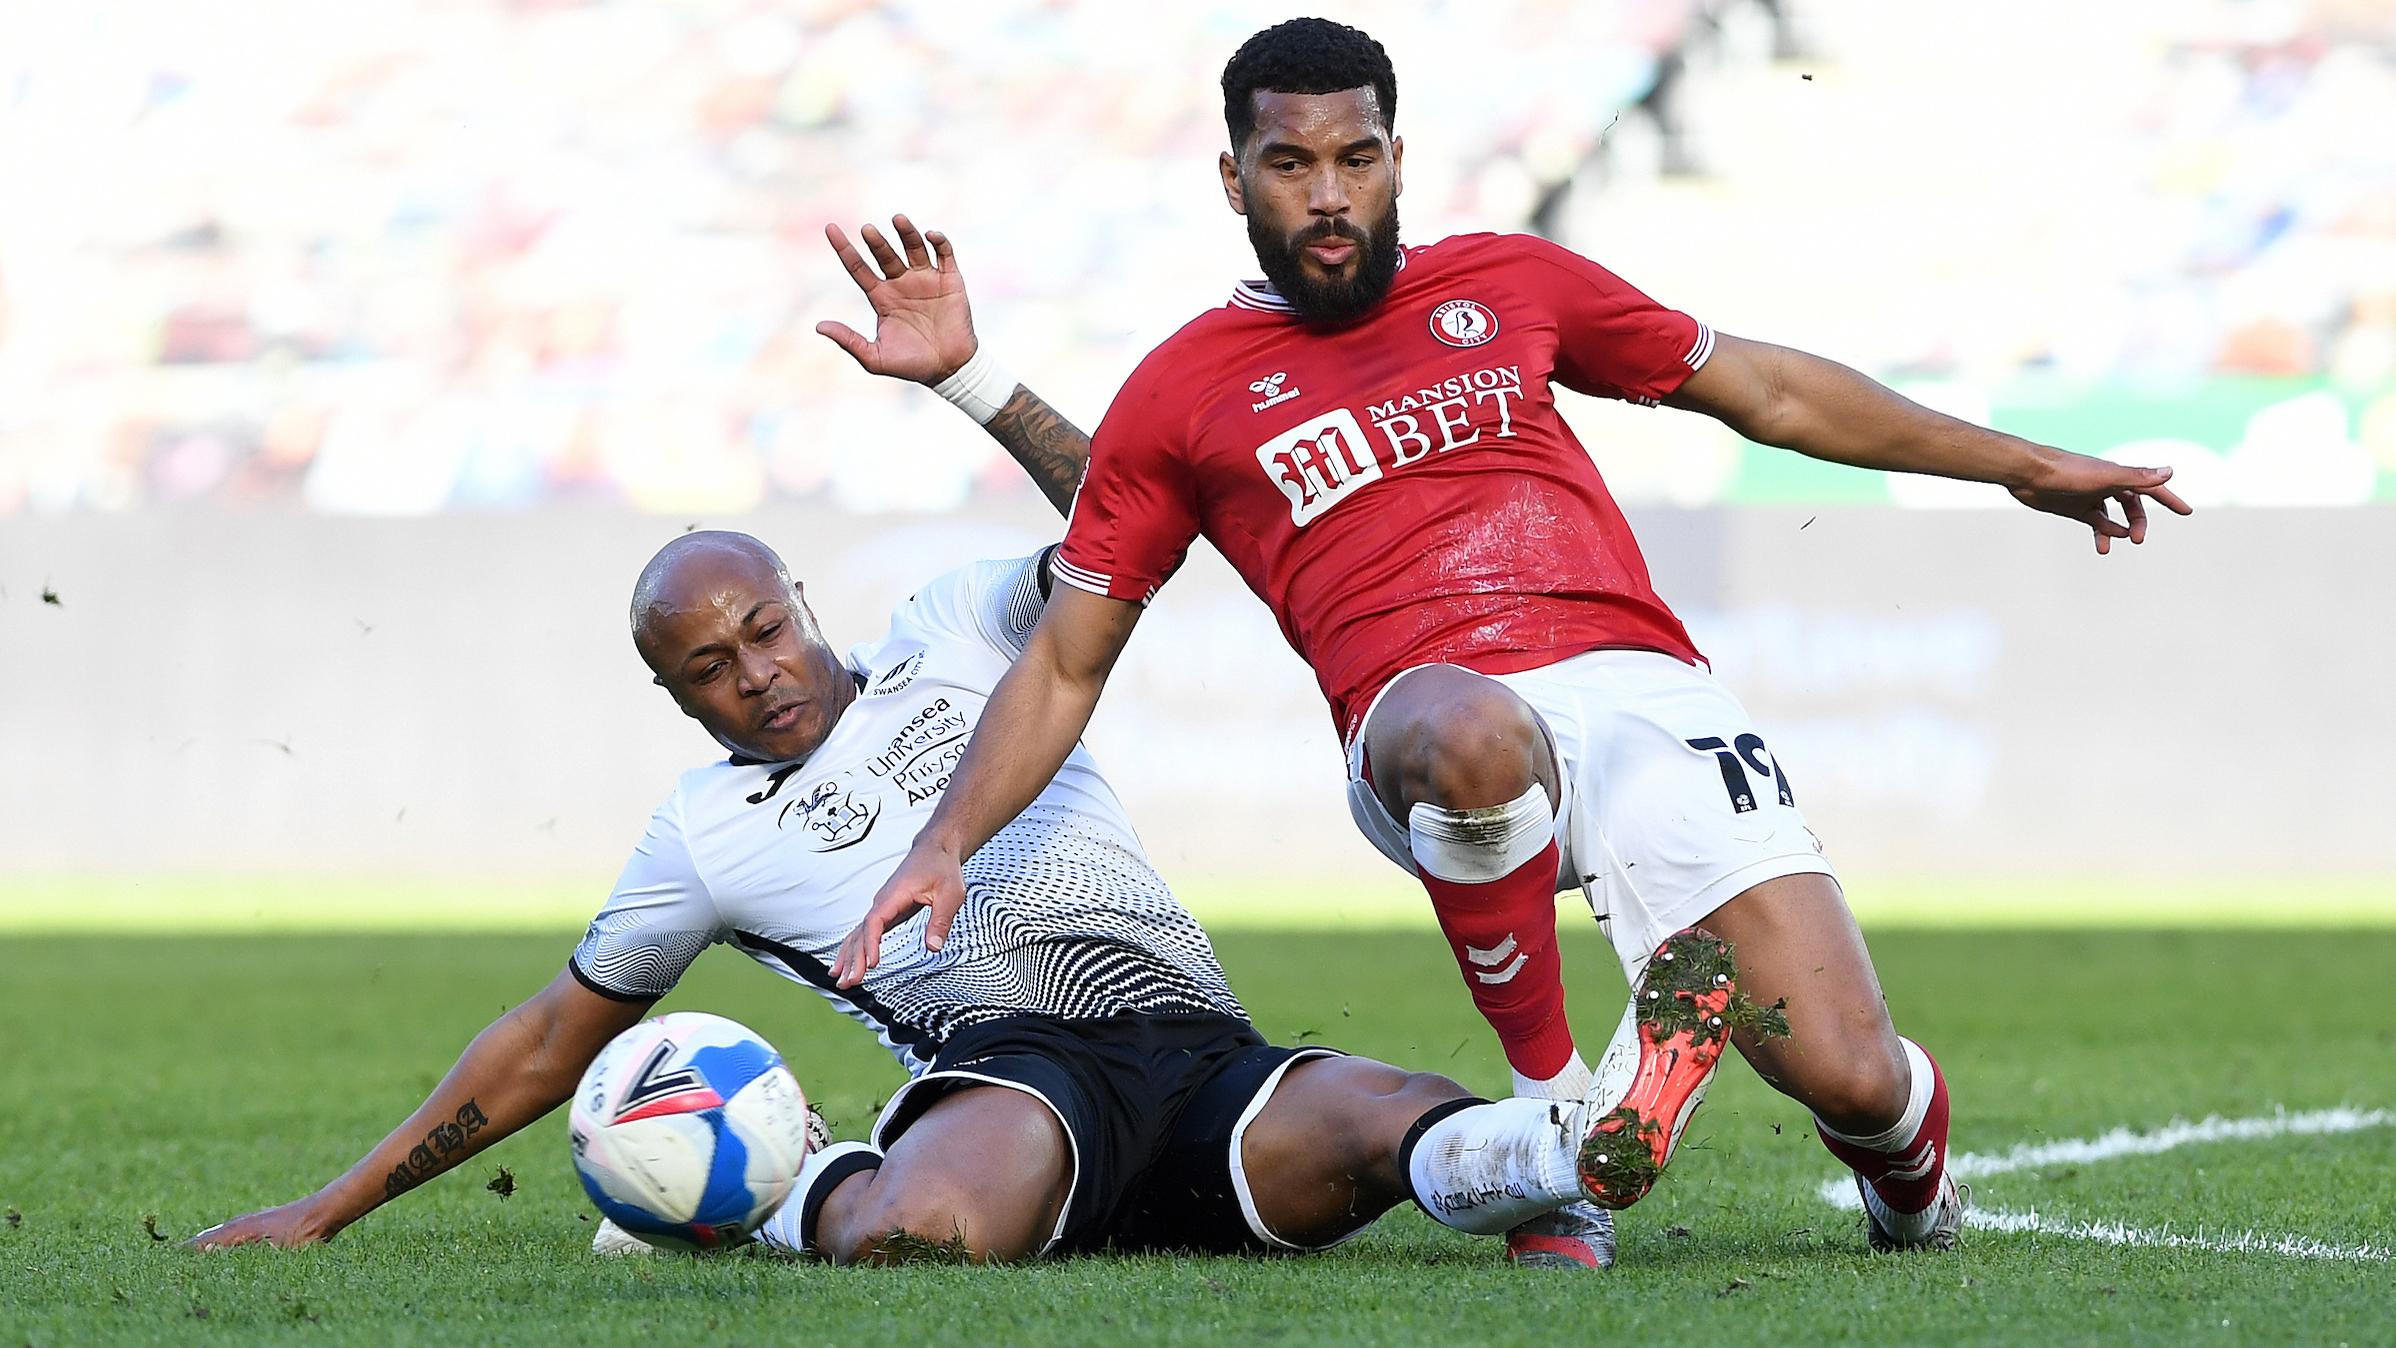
x,y
353,356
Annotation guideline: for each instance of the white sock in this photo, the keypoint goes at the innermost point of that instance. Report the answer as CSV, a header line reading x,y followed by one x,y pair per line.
x,y
1490,1167
1570,1084
786,1231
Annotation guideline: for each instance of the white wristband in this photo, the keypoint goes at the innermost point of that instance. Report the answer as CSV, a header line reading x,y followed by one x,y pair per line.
x,y
979,387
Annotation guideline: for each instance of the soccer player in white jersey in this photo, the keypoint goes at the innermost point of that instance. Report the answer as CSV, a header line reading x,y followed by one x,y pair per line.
x,y
1370,437
1081,1075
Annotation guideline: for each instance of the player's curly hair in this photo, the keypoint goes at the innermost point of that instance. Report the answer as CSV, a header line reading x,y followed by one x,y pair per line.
x,y
1305,56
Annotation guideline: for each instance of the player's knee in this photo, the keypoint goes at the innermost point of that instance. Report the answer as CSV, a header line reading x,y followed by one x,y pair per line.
x,y
1859,1093
909,1223
1465,743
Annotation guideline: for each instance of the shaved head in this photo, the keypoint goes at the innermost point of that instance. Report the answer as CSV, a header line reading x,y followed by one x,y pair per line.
x,y
692,563
726,631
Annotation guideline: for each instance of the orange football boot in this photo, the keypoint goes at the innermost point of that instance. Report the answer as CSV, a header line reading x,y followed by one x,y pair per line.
x,y
1658,1067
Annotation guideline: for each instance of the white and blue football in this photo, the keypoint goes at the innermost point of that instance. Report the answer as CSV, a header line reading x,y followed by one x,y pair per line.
x,y
688,1131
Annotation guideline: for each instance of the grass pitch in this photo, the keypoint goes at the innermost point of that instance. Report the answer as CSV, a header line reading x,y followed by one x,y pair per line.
x,y
171,1082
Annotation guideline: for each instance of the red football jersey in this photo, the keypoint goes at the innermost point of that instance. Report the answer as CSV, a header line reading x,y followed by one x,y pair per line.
x,y
1400,490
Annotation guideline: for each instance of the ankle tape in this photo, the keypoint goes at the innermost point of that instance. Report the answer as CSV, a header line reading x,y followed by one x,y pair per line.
x,y
1474,847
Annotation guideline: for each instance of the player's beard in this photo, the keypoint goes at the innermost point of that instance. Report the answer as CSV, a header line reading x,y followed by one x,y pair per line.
x,y
1330,301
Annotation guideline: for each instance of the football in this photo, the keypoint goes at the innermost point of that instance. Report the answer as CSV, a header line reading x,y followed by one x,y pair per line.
x,y
688,1131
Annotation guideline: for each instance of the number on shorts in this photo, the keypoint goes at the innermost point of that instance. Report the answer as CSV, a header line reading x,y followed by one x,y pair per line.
x,y
1736,757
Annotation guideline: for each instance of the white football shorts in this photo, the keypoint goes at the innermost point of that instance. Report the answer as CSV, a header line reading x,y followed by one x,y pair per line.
x,y
1672,804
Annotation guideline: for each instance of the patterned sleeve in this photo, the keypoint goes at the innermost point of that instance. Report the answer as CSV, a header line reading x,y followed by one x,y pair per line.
x,y
1014,599
1137,510
657,921
1611,340
995,604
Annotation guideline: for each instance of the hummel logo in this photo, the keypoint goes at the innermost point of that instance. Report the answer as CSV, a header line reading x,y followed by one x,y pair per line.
x,y
1270,386
1491,958
1921,1167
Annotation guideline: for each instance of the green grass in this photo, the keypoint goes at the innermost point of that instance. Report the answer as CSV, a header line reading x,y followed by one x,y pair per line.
x,y
195,1077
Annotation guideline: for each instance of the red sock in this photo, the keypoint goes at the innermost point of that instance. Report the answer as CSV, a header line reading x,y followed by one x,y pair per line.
x,y
1504,936
1903,1165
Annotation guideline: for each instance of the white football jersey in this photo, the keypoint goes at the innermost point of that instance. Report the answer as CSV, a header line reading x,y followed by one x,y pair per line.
x,y
1063,915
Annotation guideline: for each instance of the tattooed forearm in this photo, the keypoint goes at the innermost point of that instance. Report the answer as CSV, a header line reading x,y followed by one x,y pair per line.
x,y
1050,448
441,1148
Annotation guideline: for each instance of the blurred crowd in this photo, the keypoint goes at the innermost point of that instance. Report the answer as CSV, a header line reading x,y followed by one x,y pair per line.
x,y
2267,245
2273,237
401,256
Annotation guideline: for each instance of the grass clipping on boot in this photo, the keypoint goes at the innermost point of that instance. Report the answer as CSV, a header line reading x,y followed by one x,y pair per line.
x,y
1688,988
1629,1165
1672,993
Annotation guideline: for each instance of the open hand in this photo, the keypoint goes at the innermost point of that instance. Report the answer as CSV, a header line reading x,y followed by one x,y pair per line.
x,y
292,1224
923,327
2078,487
928,878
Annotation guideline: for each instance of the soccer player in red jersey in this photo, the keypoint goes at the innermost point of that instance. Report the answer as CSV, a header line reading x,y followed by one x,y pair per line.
x,y
1370,438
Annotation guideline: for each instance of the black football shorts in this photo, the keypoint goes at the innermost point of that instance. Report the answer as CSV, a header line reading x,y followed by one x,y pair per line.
x,y
1154,1108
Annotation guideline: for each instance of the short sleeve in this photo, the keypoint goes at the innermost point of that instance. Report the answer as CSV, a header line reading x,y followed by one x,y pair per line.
x,y
1012,600
1613,341
995,604
658,920
1138,507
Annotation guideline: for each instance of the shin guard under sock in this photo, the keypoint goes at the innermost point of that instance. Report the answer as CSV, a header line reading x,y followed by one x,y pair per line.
x,y
1503,933
1905,1163
1491,874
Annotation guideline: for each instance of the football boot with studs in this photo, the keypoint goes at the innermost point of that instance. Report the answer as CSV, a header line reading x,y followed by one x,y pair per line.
x,y
1660,1062
1577,1235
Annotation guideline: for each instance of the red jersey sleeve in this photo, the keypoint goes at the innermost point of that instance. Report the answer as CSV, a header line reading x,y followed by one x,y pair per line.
x,y
1138,506
1612,341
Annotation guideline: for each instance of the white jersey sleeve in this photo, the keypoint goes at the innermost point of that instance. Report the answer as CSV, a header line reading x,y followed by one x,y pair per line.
x,y
658,920
994,603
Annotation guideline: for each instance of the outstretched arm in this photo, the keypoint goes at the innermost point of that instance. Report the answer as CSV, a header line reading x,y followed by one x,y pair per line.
x,y
1036,715
524,1065
923,331
1776,396
1051,449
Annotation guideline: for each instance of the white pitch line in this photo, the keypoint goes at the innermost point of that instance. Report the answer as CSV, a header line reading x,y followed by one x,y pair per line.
x,y
2163,1237
1840,1192
2178,1133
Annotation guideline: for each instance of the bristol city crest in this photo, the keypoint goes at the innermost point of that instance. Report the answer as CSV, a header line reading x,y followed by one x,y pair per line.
x,y
1463,323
